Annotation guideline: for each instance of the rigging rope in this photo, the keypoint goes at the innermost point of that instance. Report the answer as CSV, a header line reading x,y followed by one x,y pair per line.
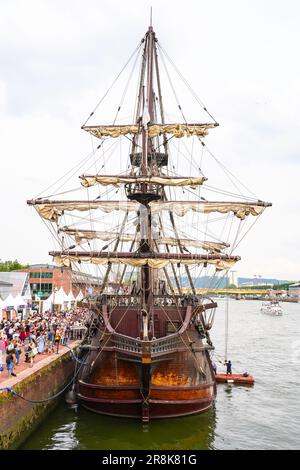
x,y
226,328
184,80
115,80
226,170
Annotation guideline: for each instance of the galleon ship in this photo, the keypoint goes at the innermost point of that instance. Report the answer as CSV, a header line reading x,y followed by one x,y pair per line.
x,y
147,351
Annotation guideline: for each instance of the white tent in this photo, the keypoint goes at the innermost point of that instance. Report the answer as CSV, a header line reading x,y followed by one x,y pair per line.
x,y
10,301
47,304
20,301
1,307
71,297
79,296
60,297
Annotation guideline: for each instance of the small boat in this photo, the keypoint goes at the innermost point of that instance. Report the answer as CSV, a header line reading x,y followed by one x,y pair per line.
x,y
271,308
245,379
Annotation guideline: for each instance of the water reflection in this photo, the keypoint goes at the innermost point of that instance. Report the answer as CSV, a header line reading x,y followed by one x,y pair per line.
x,y
228,390
265,416
80,429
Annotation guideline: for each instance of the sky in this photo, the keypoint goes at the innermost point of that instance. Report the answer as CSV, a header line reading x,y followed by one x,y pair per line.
x,y
57,58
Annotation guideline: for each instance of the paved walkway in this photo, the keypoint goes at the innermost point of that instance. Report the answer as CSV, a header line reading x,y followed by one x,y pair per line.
x,y
23,370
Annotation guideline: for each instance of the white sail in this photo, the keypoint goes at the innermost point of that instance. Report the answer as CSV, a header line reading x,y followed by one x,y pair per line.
x,y
239,209
81,235
91,180
52,210
155,263
177,130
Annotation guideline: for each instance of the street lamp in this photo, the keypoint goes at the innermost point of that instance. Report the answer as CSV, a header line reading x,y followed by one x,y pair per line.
x,y
53,304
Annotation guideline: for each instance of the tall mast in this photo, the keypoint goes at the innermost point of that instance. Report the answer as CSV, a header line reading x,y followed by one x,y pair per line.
x,y
148,117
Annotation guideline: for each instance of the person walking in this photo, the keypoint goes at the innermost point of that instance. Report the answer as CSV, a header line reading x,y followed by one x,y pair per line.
x,y
50,341
10,364
22,334
40,343
17,346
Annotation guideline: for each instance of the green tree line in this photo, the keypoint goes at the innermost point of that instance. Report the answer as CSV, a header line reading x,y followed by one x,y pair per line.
x,y
11,265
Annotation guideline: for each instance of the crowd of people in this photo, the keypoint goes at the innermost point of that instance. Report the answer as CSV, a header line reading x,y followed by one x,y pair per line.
x,y
42,333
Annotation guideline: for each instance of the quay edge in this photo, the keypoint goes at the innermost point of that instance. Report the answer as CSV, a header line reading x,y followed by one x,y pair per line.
x,y
19,418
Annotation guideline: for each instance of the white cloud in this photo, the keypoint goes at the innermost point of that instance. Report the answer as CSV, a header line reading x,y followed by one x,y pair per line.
x,y
59,57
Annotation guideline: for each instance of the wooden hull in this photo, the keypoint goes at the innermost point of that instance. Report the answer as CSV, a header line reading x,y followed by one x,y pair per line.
x,y
156,411
173,397
160,378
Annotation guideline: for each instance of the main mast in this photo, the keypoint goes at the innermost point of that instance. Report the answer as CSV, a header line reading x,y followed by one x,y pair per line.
x,y
145,219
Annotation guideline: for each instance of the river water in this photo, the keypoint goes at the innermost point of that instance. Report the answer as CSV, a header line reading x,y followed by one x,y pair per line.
x,y
265,416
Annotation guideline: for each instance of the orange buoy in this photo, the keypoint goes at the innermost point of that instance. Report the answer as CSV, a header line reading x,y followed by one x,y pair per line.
x,y
235,378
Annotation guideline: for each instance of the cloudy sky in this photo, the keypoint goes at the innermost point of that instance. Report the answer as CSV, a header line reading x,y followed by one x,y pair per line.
x,y
242,57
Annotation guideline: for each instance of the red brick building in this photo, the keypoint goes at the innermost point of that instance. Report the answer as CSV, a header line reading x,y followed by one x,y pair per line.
x,y
46,278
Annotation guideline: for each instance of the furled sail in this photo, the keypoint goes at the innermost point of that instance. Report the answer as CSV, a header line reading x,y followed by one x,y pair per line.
x,y
177,130
91,180
153,260
81,235
52,210
240,209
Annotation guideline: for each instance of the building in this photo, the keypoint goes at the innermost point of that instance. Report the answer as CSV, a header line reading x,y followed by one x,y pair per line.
x,y
46,278
14,283
294,290
233,278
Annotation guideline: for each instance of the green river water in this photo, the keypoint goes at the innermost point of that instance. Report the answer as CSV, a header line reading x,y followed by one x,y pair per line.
x,y
265,416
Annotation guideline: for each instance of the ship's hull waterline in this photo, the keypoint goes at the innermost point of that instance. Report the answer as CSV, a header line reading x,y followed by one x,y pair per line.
x,y
164,378
163,401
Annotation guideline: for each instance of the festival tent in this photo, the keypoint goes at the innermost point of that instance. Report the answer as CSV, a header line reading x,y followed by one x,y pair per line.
x,y
19,300
1,308
71,297
10,301
60,297
47,304
79,296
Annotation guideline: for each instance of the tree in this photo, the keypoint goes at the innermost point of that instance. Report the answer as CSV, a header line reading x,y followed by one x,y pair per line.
x,y
10,265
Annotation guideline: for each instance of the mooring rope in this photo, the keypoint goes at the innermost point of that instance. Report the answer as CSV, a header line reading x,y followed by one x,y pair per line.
x,y
10,390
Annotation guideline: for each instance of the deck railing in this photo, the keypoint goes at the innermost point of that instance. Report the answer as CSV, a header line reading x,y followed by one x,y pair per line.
x,y
76,332
165,344
155,347
127,344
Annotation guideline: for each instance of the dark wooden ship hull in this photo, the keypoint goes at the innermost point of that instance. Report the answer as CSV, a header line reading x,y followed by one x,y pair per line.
x,y
165,377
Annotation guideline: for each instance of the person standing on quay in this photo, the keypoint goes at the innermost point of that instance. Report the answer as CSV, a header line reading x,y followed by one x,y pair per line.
x,y
32,352
57,339
40,343
10,364
2,351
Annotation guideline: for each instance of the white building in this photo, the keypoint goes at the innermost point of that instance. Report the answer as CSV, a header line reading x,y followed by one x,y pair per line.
x,y
14,283
233,278
294,290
